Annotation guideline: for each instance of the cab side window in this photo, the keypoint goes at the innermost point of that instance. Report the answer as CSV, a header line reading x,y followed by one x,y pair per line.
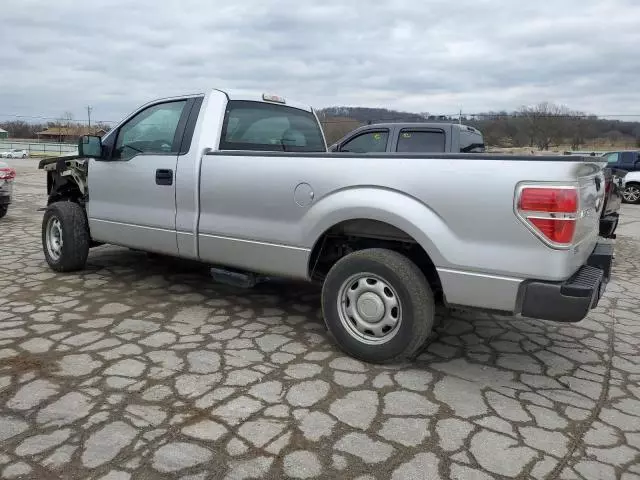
x,y
152,130
367,143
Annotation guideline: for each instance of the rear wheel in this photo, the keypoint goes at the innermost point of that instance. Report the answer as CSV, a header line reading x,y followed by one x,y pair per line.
x,y
65,237
378,305
631,193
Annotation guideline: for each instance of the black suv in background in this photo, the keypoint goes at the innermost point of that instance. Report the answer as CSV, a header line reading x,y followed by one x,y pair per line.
x,y
627,160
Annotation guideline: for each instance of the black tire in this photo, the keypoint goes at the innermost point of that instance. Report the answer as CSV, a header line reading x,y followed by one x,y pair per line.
x,y
417,305
3,210
629,196
74,233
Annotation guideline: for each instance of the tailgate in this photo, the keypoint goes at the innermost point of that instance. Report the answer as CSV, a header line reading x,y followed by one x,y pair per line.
x,y
565,213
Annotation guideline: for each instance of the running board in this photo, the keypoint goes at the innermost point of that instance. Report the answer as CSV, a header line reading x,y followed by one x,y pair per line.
x,y
236,278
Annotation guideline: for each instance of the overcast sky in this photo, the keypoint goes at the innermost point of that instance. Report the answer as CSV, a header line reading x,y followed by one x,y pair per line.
x,y
435,56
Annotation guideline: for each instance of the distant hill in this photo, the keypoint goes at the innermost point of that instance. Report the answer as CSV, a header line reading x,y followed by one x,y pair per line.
x,y
374,115
542,126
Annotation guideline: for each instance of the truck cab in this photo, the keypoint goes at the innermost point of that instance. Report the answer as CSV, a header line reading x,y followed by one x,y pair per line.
x,y
411,138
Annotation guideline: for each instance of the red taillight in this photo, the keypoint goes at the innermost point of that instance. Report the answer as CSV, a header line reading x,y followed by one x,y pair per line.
x,y
552,200
550,212
7,174
558,231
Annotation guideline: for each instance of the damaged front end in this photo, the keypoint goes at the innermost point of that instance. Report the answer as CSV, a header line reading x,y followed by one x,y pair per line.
x,y
66,179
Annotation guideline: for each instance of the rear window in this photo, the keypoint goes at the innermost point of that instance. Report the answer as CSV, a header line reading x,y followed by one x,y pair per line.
x,y
414,141
267,127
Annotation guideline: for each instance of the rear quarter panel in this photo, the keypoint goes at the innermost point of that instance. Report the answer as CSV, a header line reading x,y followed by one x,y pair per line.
x,y
459,208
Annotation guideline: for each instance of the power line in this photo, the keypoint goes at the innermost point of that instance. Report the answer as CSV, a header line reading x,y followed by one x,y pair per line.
x,y
476,116
37,117
430,116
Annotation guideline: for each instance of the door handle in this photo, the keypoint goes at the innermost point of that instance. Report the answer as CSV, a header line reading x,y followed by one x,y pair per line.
x,y
164,177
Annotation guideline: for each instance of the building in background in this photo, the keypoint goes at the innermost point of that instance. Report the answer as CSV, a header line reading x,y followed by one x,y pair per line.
x,y
69,134
3,134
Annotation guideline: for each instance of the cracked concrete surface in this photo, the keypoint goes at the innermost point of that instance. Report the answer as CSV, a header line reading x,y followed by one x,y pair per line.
x,y
144,368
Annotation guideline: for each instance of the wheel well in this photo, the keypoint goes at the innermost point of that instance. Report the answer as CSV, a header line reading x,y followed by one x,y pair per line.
x,y
63,188
353,235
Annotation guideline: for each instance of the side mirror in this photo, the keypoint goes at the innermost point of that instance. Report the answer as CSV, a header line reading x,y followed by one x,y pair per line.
x,y
90,146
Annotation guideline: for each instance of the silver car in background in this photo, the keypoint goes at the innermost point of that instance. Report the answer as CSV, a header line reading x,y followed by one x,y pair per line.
x,y
14,153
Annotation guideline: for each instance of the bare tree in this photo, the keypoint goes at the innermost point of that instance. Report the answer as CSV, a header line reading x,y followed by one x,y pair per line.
x,y
547,124
614,137
67,119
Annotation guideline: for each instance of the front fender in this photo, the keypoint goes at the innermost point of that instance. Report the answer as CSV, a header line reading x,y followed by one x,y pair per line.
x,y
384,205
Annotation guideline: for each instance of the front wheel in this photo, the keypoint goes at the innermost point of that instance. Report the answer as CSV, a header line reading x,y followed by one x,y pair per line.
x,y
65,237
3,210
631,193
378,305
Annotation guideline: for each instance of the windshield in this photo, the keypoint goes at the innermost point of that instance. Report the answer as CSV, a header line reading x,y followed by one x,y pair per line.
x,y
265,126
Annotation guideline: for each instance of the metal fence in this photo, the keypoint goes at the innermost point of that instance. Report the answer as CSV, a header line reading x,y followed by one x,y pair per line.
x,y
39,149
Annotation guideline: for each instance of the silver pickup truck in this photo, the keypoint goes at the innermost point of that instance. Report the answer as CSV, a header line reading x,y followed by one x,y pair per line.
x,y
246,182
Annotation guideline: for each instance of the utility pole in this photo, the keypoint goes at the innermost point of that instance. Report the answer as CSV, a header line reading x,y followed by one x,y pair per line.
x,y
89,108
460,118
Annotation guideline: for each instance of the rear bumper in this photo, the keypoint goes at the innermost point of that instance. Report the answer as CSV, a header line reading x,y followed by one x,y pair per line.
x,y
571,300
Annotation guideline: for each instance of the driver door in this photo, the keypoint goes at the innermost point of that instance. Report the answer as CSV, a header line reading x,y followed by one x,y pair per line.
x,y
132,191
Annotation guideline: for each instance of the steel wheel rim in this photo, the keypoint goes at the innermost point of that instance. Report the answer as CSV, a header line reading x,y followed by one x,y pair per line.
x,y
631,193
54,238
369,308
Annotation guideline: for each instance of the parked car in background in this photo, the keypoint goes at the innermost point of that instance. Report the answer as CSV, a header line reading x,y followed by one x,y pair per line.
x,y
411,138
626,160
14,153
631,192
7,174
624,166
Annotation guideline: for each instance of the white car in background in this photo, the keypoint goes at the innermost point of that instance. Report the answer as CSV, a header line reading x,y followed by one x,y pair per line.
x,y
631,192
14,153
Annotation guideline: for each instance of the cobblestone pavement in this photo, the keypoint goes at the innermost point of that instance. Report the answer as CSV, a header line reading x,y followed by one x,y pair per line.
x,y
143,368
